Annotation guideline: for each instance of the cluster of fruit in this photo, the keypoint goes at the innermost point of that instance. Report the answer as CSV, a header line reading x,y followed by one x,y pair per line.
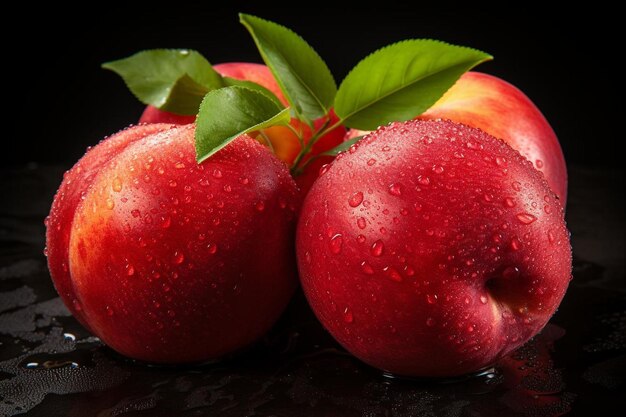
x,y
432,246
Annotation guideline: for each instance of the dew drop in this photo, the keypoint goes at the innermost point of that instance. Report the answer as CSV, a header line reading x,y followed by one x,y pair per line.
x,y
179,257
395,189
172,183
360,239
525,218
367,268
336,242
551,237
539,163
259,206
509,202
212,248
430,322
510,272
377,248
483,299
438,169
217,173
423,180
109,311
110,203
431,298
547,209
116,185
517,186
371,162
356,199
361,223
515,244
500,161
393,274
130,270
166,222
347,315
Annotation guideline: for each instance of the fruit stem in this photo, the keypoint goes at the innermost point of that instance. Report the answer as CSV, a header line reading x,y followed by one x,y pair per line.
x,y
322,131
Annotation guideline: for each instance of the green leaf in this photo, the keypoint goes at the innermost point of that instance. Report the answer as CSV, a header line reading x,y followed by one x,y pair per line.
x,y
401,81
342,147
301,74
174,80
253,86
230,112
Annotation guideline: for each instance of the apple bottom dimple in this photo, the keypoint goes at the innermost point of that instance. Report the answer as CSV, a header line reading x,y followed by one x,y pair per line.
x,y
165,254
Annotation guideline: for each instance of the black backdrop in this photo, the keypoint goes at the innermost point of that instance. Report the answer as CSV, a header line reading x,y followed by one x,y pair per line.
x,y
61,101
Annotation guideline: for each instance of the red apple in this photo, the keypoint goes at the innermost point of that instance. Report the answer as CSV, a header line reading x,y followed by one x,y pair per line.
x,y
166,260
432,249
247,71
500,109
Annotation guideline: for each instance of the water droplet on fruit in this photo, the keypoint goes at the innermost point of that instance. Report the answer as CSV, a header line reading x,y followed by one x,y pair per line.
x,y
430,322
179,165
431,298
361,223
517,186
259,206
116,185
360,239
324,169
166,222
217,173
336,242
110,203
227,188
483,299
500,160
130,270
212,248
377,248
509,202
515,244
371,162
179,257
470,328
172,183
422,180
539,163
77,305
347,315
367,268
511,272
244,180
525,218
109,311
395,189
417,207
547,209
438,169
393,274
356,199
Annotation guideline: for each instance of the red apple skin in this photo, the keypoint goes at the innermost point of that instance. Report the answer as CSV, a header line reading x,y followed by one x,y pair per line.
x,y
502,110
167,259
432,249
247,71
75,184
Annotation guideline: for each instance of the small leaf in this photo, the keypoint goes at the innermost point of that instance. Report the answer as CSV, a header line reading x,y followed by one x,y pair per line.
x,y
253,86
342,147
230,112
301,74
174,80
401,81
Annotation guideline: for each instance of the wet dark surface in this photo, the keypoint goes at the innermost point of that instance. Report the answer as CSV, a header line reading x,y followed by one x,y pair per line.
x,y
50,366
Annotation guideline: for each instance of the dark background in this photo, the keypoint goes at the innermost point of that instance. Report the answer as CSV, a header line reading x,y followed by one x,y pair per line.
x,y
61,101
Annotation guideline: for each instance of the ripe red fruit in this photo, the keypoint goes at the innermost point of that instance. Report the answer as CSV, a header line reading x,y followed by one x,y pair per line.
x,y
502,110
166,260
432,249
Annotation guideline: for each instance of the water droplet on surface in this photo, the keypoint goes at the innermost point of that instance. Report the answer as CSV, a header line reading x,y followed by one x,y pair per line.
x,y
547,209
393,274
179,257
109,311
347,315
110,203
395,189
422,180
525,218
377,248
356,199
371,162
172,183
336,242
212,248
517,186
116,185
551,237
470,328
179,165
515,244
483,299
431,298
539,163
511,272
509,202
166,222
77,305
361,223
438,169
130,270
259,206
500,160
360,239
227,188
367,268
217,173
417,207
